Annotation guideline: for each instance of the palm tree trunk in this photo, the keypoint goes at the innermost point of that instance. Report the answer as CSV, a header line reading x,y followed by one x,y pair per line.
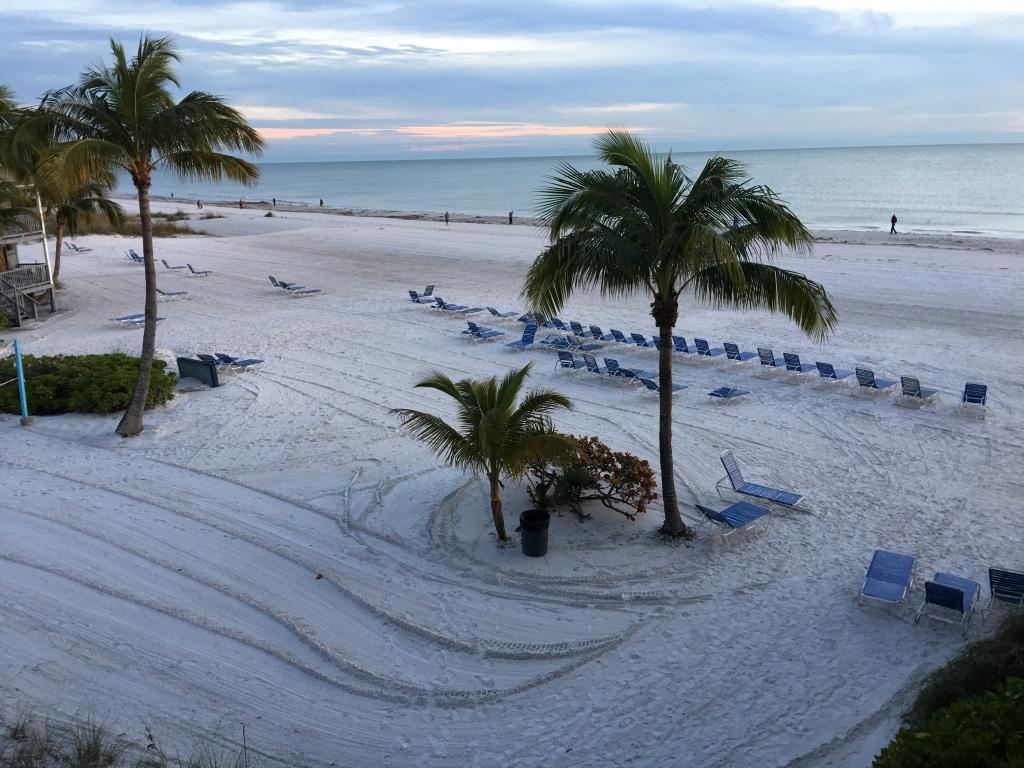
x,y
673,525
131,422
56,250
499,519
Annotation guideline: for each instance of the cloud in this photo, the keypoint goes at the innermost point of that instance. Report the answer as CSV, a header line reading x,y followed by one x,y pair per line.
x,y
282,113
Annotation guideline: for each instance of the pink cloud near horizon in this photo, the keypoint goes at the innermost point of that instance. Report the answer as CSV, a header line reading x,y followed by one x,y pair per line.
x,y
443,131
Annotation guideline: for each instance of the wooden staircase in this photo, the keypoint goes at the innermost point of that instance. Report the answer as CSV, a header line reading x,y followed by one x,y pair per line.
x,y
22,290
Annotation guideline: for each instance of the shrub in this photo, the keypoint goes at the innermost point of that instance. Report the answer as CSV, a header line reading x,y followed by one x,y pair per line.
x,y
82,384
211,215
982,667
985,731
178,215
4,321
592,471
268,215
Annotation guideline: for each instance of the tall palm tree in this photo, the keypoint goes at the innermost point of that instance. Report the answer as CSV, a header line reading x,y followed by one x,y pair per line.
x,y
124,117
495,436
645,226
70,207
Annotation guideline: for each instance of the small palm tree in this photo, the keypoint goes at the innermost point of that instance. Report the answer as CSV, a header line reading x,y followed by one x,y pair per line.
x,y
645,226
124,117
69,208
495,436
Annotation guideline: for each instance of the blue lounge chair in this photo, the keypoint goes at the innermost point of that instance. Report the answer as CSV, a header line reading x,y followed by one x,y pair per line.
x,y
732,351
830,373
653,385
974,397
441,304
557,323
592,365
680,347
567,362
527,341
579,346
727,394
793,364
412,294
482,332
598,335
198,272
172,294
136,321
1006,586
951,593
232,363
77,248
641,341
128,318
634,375
133,257
888,577
740,516
501,315
620,337
429,290
769,360
866,380
913,393
739,485
578,330
706,351
181,266
291,286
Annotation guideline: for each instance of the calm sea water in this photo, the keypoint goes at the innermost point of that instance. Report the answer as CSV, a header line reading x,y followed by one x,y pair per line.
x,y
971,188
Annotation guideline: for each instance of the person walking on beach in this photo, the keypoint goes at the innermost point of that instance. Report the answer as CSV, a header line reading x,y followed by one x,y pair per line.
x,y
510,217
892,229
446,218
273,201
199,204
321,202
241,203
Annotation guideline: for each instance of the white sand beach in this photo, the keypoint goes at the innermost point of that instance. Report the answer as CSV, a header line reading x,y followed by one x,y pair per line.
x,y
170,580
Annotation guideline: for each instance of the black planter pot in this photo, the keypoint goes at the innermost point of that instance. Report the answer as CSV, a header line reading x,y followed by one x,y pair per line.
x,y
533,528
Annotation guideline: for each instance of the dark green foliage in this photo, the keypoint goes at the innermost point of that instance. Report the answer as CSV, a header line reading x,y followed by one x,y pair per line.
x,y
985,731
982,667
82,384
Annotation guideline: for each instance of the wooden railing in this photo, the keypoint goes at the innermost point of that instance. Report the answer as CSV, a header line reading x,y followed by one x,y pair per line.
x,y
16,287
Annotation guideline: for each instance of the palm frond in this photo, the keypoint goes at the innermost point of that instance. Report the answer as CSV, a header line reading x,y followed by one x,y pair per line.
x,y
441,438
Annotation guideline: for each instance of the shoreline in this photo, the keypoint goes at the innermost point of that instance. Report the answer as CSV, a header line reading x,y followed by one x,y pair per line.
x,y
953,239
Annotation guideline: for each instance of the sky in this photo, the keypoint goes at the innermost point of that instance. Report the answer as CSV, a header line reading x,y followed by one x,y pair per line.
x,y
484,78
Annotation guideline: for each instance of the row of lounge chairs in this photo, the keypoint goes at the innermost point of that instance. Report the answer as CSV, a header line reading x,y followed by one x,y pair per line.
x,y
193,272
947,597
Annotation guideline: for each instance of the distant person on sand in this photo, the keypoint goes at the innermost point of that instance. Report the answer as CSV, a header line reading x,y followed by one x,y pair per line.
x,y
510,217
172,195
446,218
273,201
199,204
892,229
241,203
321,202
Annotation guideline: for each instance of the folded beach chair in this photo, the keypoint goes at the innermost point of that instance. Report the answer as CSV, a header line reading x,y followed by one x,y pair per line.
x,y
950,593
236,363
503,315
913,393
866,380
653,385
769,360
1006,586
592,365
974,398
793,364
620,337
831,374
579,346
578,330
136,321
172,295
567,362
198,272
705,351
727,394
127,318
732,351
739,485
888,577
528,335
182,266
598,335
740,516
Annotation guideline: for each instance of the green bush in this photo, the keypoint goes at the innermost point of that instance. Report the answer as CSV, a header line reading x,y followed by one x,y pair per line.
x,y
82,384
4,321
982,667
985,731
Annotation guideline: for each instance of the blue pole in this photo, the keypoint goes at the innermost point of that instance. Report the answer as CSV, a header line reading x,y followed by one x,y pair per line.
x,y
25,419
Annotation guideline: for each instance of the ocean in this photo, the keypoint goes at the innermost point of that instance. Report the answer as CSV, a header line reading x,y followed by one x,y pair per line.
x,y
970,189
